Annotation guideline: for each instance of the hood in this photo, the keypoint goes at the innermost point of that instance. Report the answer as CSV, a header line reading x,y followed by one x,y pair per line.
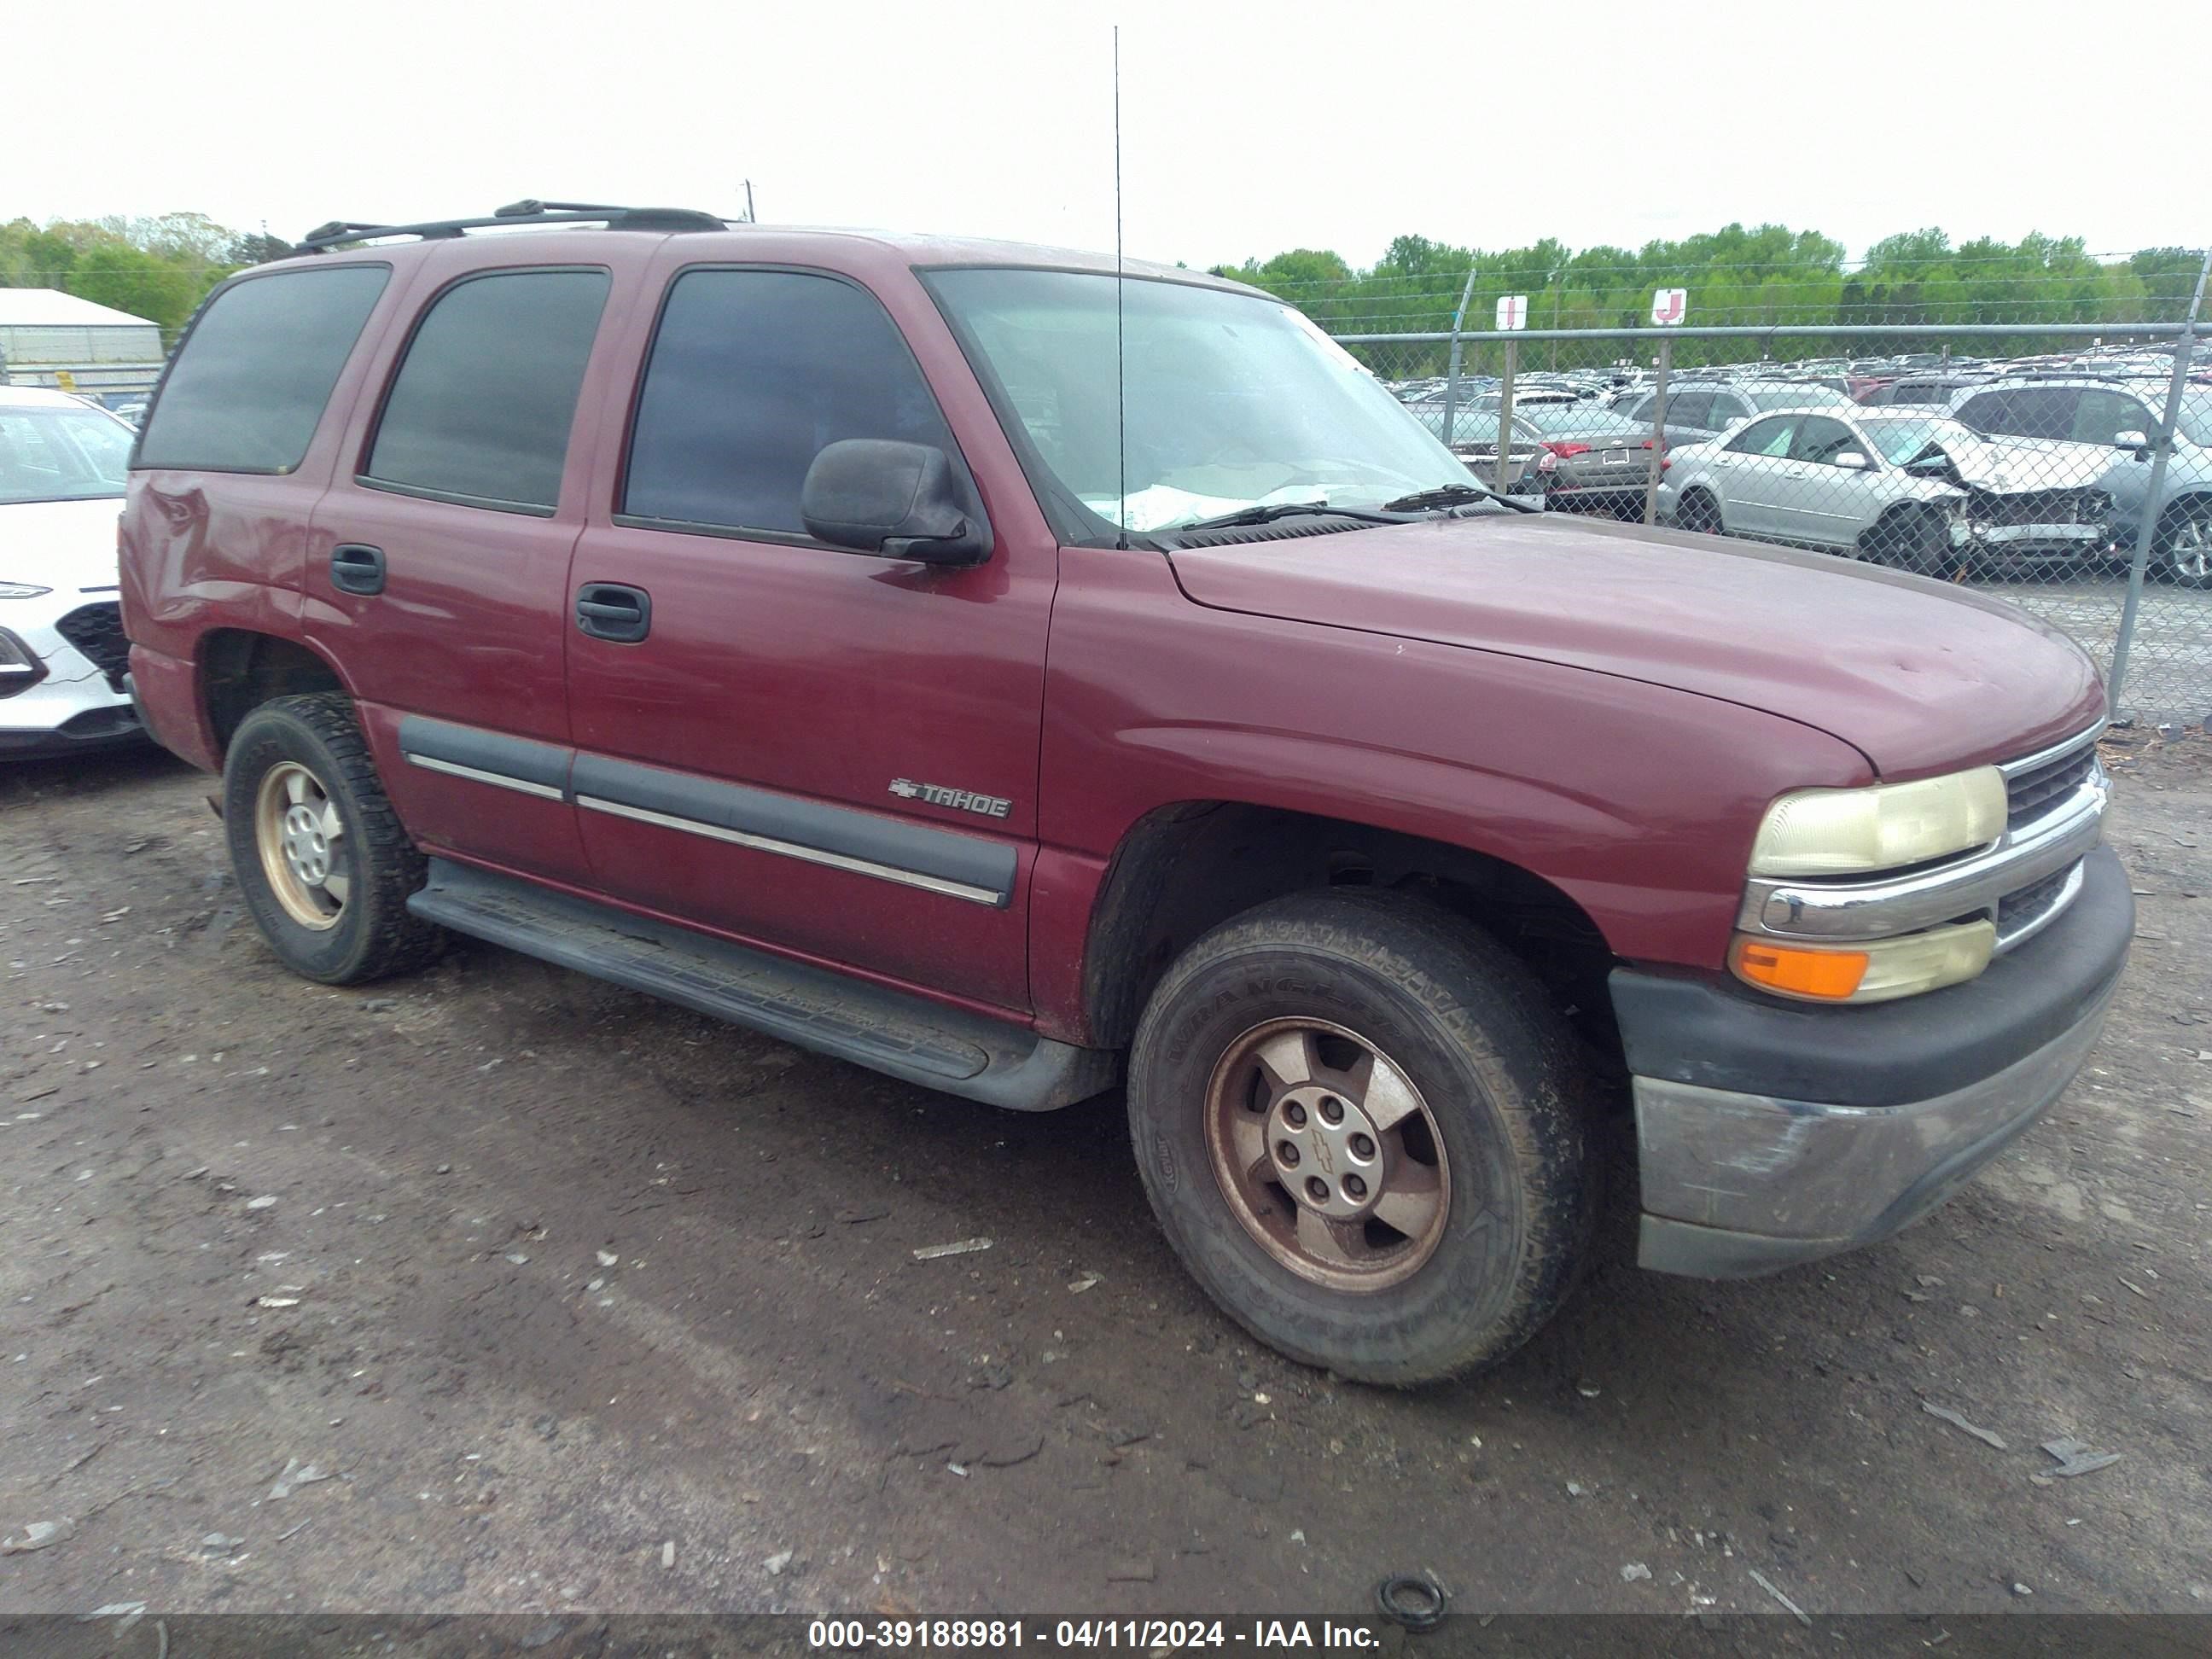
x,y
68,546
1918,676
2012,465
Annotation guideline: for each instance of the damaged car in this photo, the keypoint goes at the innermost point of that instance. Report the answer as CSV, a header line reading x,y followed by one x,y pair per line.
x,y
1917,491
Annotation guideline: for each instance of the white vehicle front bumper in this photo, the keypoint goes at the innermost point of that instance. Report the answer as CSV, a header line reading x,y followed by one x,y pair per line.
x,y
68,704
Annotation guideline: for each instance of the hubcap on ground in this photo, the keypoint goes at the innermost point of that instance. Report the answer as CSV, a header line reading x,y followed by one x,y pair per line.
x,y
1328,1154
301,839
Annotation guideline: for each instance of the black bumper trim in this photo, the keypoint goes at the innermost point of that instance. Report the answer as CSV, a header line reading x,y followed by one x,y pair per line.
x,y
1712,1033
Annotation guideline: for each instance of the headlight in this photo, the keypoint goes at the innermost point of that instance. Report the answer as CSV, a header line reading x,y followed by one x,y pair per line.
x,y
1873,972
1850,832
21,590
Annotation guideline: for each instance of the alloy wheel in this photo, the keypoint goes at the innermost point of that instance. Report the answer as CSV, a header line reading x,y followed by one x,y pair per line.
x,y
1328,1154
300,836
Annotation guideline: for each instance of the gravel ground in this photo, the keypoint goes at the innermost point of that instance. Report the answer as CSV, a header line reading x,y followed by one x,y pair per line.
x,y
2170,662
500,1290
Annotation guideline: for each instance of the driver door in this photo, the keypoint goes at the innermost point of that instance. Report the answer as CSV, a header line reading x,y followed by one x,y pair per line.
x,y
1833,503
828,753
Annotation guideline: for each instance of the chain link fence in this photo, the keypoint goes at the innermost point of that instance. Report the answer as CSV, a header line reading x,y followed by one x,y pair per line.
x,y
2062,464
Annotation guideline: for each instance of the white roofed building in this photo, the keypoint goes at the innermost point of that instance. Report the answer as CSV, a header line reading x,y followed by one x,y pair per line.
x,y
51,338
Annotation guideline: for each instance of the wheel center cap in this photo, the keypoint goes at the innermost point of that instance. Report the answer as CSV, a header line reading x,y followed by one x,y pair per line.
x,y
1325,1152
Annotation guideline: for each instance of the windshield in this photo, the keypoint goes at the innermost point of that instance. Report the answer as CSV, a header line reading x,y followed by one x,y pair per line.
x,y
1232,400
1799,397
1901,440
60,454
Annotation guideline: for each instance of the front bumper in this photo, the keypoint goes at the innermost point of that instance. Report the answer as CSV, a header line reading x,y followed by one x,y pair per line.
x,y
1769,1135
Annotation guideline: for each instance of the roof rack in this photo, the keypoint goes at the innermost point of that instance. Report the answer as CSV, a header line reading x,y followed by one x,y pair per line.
x,y
339,232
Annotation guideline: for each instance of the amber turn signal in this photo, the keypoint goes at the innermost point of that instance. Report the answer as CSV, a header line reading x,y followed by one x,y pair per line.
x,y
1829,975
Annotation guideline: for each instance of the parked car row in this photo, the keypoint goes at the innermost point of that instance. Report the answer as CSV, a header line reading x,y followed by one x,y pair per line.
x,y
2010,464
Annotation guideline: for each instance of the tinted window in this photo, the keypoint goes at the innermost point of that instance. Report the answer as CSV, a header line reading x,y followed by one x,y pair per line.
x,y
1821,440
1768,437
2028,411
1688,409
483,403
2101,416
755,373
1991,411
250,383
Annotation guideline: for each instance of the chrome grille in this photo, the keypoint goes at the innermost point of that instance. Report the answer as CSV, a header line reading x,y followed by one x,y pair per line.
x,y
2029,795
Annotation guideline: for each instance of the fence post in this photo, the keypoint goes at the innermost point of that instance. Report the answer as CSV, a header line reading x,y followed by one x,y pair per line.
x,y
1505,413
1451,373
1658,430
2185,350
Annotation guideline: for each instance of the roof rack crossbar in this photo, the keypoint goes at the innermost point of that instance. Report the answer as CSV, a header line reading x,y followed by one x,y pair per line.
x,y
338,233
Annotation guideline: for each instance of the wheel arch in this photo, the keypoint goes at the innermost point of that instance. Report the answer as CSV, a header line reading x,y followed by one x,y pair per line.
x,y
240,669
1184,868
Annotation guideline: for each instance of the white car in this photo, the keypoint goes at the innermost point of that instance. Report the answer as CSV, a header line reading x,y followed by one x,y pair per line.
x,y
61,650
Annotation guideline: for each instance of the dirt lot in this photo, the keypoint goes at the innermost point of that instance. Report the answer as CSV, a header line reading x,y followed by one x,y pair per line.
x,y
576,1300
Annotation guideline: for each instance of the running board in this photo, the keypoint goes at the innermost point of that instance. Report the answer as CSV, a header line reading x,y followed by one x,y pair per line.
x,y
887,1030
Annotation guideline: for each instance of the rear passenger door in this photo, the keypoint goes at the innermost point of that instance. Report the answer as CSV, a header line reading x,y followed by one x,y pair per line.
x,y
1757,477
437,569
827,752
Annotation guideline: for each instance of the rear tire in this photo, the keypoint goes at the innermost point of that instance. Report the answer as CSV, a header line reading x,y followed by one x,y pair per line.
x,y
1699,512
2184,545
1458,1155
320,856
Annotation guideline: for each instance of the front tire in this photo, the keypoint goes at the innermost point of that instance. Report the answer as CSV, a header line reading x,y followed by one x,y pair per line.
x,y
1912,540
320,856
1364,1128
2184,545
1700,513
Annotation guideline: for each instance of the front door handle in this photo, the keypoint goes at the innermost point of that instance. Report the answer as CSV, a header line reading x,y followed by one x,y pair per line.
x,y
609,610
357,569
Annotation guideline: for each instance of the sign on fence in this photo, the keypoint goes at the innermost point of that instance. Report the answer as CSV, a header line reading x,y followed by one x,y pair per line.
x,y
1670,305
1512,312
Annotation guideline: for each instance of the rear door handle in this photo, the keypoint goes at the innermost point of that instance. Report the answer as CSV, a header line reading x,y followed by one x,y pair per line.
x,y
357,569
609,611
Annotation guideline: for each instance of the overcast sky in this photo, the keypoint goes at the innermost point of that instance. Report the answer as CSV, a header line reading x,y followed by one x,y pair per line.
x,y
1246,130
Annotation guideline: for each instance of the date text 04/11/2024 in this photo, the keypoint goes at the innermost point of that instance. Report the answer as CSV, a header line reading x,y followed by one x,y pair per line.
x,y
1141,1635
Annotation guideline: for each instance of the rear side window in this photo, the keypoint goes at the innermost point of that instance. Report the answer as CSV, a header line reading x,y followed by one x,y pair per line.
x,y
753,374
1690,408
2028,411
250,381
480,409
1988,412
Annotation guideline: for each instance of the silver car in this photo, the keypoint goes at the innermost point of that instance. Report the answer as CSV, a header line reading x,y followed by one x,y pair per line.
x,y
1910,488
1813,478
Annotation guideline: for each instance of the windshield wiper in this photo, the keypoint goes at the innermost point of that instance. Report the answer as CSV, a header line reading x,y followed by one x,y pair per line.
x,y
1453,495
1269,511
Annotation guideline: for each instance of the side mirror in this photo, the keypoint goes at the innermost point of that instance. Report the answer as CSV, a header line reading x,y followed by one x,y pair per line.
x,y
901,500
1850,460
2138,441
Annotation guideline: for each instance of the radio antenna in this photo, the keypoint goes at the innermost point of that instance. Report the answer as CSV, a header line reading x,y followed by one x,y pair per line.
x,y
1121,377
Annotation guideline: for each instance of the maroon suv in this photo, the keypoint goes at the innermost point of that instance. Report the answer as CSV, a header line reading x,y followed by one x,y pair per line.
x,y
817,630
